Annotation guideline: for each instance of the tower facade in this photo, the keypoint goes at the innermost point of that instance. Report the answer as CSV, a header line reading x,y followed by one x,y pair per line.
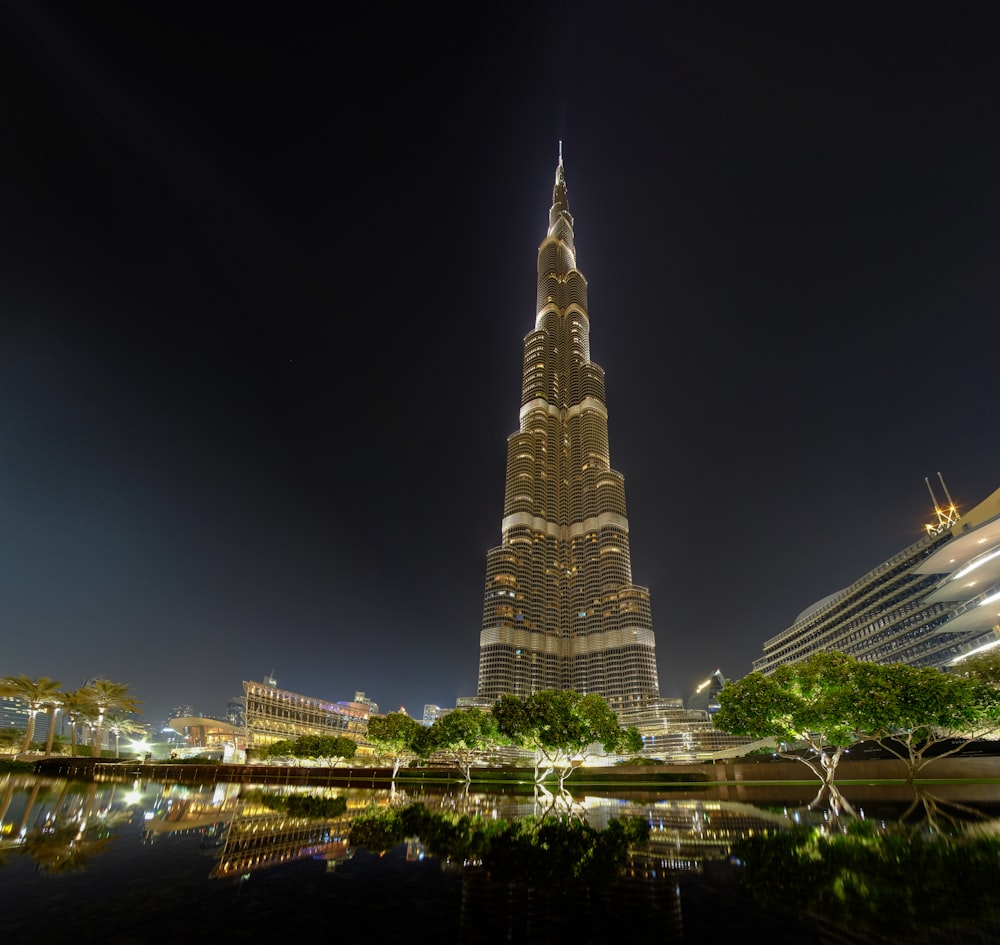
x,y
560,610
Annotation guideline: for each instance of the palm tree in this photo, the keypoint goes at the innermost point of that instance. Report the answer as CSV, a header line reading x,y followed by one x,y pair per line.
x,y
54,706
107,696
37,693
120,724
78,707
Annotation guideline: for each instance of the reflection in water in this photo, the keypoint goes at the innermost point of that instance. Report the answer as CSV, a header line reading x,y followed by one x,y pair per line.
x,y
61,824
879,882
514,867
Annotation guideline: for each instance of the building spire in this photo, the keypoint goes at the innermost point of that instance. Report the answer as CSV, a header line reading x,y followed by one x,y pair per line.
x,y
560,199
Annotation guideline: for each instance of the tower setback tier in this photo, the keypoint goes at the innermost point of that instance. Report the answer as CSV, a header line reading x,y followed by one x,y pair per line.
x,y
560,610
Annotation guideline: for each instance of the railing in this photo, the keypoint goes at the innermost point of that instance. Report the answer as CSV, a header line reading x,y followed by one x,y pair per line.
x,y
85,769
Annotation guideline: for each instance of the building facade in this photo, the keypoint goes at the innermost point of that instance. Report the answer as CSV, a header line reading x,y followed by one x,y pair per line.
x,y
706,695
14,714
932,604
560,610
274,714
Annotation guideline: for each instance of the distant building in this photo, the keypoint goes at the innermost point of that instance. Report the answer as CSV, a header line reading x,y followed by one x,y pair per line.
x,y
431,712
675,734
236,711
361,699
706,696
472,702
14,715
199,732
932,604
273,714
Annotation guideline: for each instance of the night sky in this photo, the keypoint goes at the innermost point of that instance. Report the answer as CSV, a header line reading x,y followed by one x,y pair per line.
x,y
265,276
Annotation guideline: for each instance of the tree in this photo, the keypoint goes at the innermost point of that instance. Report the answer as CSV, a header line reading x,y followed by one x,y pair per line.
x,y
912,711
11,737
805,703
326,749
77,707
463,734
394,735
282,748
105,697
54,706
35,693
983,666
120,724
561,727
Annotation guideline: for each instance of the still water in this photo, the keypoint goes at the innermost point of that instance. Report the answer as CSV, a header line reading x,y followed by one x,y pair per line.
x,y
135,862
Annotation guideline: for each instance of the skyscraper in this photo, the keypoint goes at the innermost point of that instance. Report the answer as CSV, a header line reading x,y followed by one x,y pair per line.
x,y
560,610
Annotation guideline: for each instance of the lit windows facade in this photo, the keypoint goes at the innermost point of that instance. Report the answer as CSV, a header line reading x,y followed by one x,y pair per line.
x,y
274,714
560,610
931,604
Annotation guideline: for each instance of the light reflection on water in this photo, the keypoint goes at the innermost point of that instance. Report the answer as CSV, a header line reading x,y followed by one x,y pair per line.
x,y
149,862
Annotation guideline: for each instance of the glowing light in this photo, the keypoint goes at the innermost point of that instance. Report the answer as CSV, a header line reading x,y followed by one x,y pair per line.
x,y
978,649
990,600
975,564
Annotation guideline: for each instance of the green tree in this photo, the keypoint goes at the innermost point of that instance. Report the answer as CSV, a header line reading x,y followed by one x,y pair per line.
x,y
804,705
35,694
326,749
464,735
11,737
912,711
105,697
983,666
562,727
395,735
283,748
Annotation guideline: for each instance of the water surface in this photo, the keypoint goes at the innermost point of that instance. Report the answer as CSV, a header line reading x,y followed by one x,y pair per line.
x,y
140,862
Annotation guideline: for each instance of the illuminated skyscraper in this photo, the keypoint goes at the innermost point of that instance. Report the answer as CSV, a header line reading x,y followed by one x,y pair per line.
x,y
560,610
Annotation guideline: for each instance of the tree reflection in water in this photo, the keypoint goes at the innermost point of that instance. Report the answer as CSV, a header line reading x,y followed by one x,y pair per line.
x,y
537,878
550,852
66,837
928,876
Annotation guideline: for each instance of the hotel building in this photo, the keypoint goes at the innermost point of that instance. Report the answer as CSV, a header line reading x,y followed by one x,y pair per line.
x,y
932,604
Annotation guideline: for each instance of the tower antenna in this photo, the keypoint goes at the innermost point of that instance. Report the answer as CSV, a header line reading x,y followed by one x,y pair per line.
x,y
947,516
560,152
946,495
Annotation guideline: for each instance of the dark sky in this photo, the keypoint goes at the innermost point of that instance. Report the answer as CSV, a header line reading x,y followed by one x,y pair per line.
x,y
265,275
